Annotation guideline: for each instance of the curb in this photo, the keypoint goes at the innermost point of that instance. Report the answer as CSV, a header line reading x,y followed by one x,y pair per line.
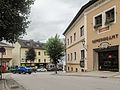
x,y
6,86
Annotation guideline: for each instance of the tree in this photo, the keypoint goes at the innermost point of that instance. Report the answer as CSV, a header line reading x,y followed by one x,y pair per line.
x,y
14,18
55,49
30,54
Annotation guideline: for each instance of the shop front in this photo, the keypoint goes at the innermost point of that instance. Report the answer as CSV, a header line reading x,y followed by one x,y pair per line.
x,y
107,59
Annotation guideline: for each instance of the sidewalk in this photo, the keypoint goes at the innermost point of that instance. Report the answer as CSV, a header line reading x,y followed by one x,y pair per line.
x,y
10,84
2,86
101,74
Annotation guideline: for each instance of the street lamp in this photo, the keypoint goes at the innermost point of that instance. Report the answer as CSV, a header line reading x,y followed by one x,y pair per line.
x,y
84,60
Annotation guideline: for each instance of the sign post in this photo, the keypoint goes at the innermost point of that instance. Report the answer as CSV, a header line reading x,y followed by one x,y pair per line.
x,y
2,50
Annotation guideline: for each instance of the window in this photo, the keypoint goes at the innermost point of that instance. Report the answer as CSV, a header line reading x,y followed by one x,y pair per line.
x,y
68,68
82,54
98,21
74,36
75,55
68,57
45,53
71,39
38,53
68,41
71,56
110,16
44,60
39,60
82,31
71,68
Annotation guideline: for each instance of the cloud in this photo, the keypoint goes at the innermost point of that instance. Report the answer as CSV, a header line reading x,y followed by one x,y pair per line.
x,y
49,17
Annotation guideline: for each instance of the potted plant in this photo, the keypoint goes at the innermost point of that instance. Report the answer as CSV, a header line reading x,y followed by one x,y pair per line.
x,y
97,26
109,20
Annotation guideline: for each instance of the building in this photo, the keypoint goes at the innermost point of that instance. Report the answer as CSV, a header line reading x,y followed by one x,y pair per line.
x,y
19,53
99,45
7,55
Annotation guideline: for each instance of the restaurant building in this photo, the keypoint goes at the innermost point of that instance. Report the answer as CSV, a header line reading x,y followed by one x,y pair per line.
x,y
101,35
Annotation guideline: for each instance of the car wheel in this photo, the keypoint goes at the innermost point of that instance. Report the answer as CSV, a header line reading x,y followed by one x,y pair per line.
x,y
14,72
29,73
19,72
24,72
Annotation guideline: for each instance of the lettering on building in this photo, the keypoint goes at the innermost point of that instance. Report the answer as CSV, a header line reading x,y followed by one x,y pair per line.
x,y
107,38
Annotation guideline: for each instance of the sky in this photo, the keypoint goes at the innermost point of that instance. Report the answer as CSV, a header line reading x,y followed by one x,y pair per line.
x,y
51,17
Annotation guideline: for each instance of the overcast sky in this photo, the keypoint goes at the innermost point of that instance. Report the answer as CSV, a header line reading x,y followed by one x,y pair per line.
x,y
50,17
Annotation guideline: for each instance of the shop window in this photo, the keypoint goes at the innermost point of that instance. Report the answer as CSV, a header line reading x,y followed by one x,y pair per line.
x,y
75,55
98,21
71,39
110,16
74,36
81,31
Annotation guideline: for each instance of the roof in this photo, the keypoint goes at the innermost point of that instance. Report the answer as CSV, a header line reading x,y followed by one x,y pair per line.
x,y
5,45
91,2
31,43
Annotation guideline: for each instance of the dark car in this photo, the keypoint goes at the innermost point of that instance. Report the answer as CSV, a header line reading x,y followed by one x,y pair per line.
x,y
23,70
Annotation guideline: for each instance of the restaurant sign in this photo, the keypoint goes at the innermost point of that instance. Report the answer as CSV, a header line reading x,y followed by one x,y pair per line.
x,y
107,38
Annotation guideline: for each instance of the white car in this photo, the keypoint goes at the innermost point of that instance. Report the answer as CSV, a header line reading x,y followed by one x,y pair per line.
x,y
41,70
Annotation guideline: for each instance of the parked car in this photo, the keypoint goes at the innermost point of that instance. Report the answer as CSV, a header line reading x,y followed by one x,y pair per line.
x,y
22,69
3,68
41,70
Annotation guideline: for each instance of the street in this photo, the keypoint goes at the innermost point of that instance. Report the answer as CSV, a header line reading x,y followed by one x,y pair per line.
x,y
50,81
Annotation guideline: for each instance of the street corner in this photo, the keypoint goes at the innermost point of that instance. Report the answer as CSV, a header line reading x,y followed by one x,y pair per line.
x,y
11,84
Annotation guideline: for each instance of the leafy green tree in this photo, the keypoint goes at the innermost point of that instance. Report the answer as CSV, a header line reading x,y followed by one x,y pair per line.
x,y
30,54
55,49
14,18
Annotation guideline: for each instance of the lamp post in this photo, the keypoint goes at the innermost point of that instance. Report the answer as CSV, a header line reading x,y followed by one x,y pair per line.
x,y
85,59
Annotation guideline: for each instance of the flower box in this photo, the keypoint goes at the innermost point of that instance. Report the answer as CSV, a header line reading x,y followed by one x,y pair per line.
x,y
97,26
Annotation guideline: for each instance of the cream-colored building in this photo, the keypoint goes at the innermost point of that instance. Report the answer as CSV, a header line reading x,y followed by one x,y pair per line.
x,y
100,41
7,55
19,53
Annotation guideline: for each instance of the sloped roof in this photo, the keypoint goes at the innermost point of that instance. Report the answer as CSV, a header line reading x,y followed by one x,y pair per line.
x,y
31,43
91,2
5,45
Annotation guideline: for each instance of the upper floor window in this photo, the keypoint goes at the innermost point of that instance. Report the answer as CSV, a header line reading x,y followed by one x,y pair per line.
x,y
75,55
98,21
74,36
68,57
45,53
71,56
82,31
82,54
68,41
71,39
39,60
110,16
38,53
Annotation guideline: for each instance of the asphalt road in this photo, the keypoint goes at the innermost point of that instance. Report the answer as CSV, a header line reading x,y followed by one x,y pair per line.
x,y
49,81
